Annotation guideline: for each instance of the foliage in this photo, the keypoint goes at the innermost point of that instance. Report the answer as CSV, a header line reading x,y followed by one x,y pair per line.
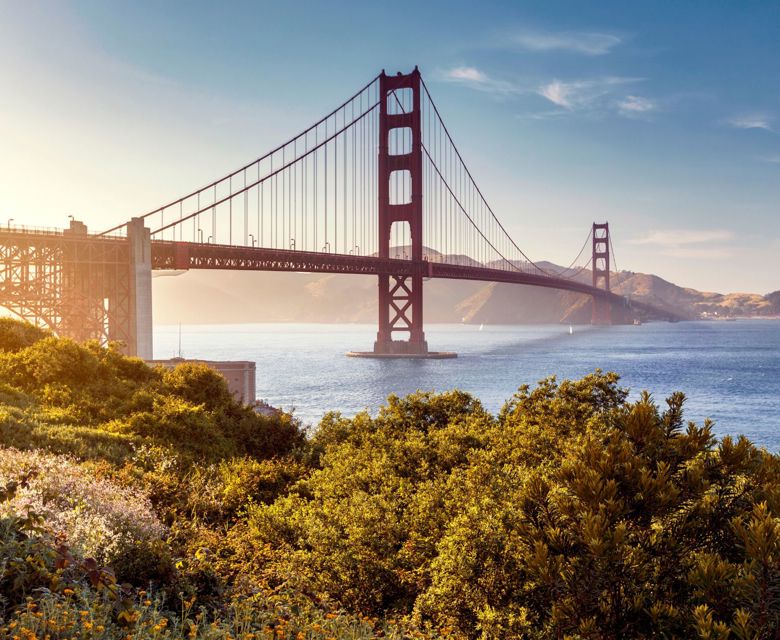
x,y
60,394
18,335
81,613
573,513
99,519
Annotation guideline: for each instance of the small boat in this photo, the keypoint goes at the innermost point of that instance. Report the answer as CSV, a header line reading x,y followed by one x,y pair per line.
x,y
637,322
482,326
571,330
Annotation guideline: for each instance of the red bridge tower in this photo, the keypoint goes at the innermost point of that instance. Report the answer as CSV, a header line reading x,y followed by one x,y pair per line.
x,y
602,308
400,297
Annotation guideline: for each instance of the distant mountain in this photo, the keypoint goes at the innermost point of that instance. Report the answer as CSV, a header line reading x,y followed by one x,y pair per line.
x,y
243,296
689,302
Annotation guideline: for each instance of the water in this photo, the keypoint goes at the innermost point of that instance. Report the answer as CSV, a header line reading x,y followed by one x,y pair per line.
x,y
730,371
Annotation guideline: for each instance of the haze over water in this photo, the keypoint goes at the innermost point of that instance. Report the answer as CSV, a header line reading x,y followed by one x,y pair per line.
x,y
730,371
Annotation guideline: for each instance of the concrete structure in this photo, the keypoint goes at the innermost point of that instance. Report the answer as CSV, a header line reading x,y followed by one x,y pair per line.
x,y
239,374
140,243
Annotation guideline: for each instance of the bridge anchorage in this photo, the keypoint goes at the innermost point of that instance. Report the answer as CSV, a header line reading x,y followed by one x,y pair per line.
x,y
377,187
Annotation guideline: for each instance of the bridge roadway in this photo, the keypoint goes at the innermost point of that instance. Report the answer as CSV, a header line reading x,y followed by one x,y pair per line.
x,y
193,255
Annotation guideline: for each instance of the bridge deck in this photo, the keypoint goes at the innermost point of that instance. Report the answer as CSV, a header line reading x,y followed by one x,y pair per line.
x,y
187,255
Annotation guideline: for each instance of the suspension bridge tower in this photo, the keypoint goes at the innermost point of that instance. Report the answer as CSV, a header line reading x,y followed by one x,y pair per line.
x,y
602,308
400,333
400,297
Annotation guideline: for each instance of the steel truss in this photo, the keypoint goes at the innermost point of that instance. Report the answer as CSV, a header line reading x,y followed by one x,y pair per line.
x,y
75,284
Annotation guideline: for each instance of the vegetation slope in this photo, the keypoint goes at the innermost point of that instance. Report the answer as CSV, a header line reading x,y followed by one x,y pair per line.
x,y
145,503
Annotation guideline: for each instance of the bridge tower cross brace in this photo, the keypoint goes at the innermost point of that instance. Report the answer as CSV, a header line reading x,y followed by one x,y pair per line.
x,y
400,296
602,308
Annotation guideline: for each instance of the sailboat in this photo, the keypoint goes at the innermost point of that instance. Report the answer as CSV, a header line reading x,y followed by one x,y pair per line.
x,y
571,330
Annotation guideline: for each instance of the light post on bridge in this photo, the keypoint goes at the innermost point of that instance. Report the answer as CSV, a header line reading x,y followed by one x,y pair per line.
x,y
10,220
200,236
253,239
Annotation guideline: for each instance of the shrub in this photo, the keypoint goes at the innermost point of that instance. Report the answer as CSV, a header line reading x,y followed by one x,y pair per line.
x,y
15,335
574,514
99,519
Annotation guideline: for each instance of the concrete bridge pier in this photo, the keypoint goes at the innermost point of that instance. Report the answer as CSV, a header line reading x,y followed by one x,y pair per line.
x,y
140,245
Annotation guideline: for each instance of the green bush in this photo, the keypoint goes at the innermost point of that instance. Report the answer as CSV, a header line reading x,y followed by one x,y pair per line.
x,y
573,513
55,388
15,335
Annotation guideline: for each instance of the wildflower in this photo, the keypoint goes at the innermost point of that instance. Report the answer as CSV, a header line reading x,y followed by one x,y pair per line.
x,y
100,517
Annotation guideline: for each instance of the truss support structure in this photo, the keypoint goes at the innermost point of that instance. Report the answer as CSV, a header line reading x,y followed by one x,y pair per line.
x,y
602,306
400,296
81,286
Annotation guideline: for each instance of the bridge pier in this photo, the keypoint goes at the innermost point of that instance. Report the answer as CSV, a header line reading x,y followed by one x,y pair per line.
x,y
140,253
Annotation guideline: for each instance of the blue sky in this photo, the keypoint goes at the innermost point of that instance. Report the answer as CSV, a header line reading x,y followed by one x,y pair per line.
x,y
663,117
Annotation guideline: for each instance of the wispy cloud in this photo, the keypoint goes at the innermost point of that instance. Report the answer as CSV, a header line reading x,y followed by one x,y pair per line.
x,y
751,121
581,94
582,42
690,243
478,79
467,74
771,159
588,95
632,106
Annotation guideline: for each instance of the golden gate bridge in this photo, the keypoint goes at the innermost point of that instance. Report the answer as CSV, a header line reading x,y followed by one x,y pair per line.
x,y
376,187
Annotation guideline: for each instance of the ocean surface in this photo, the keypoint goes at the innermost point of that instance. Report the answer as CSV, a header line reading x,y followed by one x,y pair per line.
x,y
730,371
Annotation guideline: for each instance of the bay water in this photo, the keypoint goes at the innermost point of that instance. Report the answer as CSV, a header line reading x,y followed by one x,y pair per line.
x,y
730,371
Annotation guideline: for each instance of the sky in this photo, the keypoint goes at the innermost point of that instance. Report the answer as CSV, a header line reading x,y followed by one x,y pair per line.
x,y
662,118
